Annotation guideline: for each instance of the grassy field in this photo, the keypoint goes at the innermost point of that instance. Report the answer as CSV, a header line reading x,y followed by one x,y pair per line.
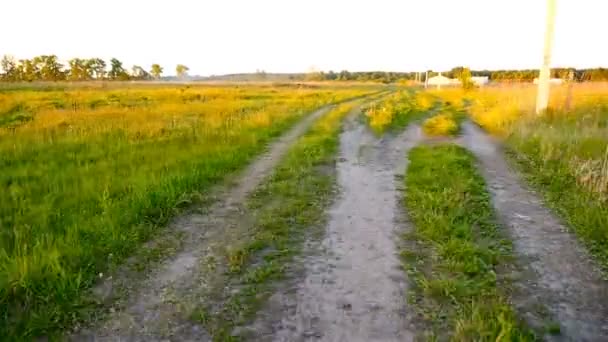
x,y
450,112
563,153
441,125
396,111
289,206
455,250
89,173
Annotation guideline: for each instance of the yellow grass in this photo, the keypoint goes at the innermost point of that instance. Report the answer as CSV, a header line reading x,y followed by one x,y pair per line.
x,y
89,173
440,125
563,151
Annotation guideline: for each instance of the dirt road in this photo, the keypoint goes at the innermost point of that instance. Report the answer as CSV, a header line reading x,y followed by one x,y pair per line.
x,y
557,272
154,307
349,285
354,288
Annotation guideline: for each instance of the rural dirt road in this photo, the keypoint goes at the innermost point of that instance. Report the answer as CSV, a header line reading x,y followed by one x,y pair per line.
x,y
153,309
354,288
557,272
349,285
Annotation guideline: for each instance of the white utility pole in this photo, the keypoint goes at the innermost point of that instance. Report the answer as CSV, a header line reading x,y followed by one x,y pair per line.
x,y
439,82
426,79
542,96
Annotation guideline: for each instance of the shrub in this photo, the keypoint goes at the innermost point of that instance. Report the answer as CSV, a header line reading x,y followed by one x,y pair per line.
x,y
441,124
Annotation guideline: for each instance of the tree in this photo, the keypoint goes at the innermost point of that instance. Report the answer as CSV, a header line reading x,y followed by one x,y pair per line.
x,y
344,75
597,74
80,70
9,68
156,71
181,70
117,72
50,68
331,75
455,72
29,72
465,78
139,73
260,74
97,67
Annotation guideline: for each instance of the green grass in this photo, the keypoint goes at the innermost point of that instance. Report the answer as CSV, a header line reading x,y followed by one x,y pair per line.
x,y
562,153
441,125
395,112
286,209
565,156
447,122
93,173
455,252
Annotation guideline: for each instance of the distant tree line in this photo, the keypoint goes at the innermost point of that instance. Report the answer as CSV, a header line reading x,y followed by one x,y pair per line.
x,y
526,75
48,68
345,75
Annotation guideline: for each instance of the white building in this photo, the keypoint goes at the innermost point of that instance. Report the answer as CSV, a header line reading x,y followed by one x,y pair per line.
x,y
441,80
480,80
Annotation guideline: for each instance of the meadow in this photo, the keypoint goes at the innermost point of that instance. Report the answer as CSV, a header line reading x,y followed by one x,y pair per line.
x,y
92,171
286,208
563,153
455,248
444,124
396,111
89,173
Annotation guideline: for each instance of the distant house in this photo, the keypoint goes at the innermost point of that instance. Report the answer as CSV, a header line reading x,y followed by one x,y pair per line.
x,y
555,81
441,80
480,80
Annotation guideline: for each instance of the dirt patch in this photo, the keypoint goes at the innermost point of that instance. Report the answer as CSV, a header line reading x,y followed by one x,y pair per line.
x,y
156,308
353,287
557,273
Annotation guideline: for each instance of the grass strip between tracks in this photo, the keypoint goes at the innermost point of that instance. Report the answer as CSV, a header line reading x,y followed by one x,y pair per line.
x,y
455,253
286,208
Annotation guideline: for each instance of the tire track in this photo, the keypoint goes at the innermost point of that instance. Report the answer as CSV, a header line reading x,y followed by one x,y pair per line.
x,y
557,272
354,288
155,307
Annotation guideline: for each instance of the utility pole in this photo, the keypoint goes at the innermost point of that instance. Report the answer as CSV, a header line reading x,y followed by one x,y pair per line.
x,y
426,79
439,82
542,96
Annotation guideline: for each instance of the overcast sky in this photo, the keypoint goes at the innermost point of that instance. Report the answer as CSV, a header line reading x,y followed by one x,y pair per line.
x,y
231,36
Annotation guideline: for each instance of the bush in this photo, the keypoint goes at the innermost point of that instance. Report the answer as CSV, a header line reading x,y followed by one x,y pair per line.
x,y
441,124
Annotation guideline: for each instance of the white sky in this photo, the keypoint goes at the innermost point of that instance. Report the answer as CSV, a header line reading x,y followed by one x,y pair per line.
x,y
230,36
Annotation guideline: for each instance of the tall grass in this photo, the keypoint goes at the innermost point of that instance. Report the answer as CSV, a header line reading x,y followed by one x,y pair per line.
x,y
450,105
397,110
441,125
89,174
563,152
456,250
287,207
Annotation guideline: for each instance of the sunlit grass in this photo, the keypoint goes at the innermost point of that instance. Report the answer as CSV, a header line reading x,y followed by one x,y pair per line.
x,y
91,173
287,207
455,250
440,125
396,111
564,152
